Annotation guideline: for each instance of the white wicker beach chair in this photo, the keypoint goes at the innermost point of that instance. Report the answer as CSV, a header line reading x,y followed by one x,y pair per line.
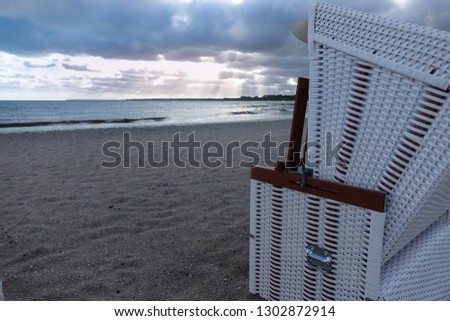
x,y
381,87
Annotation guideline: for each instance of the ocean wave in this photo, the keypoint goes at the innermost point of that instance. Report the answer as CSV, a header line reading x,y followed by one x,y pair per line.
x,y
77,122
243,113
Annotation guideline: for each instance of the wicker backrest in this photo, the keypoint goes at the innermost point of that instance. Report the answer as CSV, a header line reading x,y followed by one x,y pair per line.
x,y
414,51
382,87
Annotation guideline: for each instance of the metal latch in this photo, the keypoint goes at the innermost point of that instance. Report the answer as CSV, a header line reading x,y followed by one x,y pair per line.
x,y
306,172
318,258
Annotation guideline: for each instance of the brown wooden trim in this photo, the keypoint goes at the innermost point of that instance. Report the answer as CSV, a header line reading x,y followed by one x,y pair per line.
x,y
298,123
361,197
256,297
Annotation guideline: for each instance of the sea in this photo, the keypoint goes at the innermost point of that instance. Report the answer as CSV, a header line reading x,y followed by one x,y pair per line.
x,y
33,116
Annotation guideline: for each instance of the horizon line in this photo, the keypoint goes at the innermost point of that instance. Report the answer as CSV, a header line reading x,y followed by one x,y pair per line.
x,y
243,98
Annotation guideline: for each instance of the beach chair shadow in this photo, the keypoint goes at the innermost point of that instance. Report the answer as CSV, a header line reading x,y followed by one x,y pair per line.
x,y
367,220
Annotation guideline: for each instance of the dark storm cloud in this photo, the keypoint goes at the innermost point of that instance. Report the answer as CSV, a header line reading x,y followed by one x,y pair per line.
x,y
31,65
76,67
140,29
144,29
236,75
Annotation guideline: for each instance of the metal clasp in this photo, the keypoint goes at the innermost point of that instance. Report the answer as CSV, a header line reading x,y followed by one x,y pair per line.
x,y
306,172
319,258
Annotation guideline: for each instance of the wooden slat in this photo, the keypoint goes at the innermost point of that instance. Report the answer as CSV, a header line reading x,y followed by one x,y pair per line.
x,y
361,197
297,125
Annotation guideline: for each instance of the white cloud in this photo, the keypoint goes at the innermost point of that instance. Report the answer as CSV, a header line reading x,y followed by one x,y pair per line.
x,y
113,78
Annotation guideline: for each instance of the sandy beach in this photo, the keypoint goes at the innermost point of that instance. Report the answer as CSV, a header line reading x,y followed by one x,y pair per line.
x,y
73,230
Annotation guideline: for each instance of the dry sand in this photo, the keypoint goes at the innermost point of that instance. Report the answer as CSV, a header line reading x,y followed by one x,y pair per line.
x,y
72,230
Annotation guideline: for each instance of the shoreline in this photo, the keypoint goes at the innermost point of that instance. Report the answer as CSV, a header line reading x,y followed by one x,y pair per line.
x,y
76,231
157,123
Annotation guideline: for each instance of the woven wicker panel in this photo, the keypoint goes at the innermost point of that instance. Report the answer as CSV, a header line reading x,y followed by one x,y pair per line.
x,y
260,209
395,129
284,222
414,51
420,271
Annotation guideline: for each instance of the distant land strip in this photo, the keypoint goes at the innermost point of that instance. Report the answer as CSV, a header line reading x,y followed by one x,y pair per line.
x,y
242,98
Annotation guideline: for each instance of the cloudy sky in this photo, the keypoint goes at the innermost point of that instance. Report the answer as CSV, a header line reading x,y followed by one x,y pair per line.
x,y
66,49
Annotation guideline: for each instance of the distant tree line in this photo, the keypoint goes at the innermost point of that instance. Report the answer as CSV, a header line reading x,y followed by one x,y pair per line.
x,y
265,97
244,98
